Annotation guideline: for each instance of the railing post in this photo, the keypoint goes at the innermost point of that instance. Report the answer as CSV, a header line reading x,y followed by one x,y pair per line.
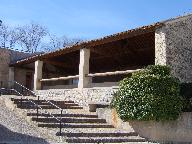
x,y
22,90
21,103
37,107
60,122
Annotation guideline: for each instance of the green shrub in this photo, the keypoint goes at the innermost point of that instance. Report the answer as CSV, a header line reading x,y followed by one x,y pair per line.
x,y
154,70
150,94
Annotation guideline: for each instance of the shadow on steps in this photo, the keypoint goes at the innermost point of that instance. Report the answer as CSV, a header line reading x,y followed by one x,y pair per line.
x,y
75,126
64,115
8,136
69,120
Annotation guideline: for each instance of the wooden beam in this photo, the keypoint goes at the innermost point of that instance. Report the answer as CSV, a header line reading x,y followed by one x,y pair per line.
x,y
60,64
26,68
112,56
60,78
97,51
112,73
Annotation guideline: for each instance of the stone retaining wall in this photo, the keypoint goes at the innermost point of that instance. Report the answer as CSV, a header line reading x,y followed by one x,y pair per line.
x,y
176,131
82,97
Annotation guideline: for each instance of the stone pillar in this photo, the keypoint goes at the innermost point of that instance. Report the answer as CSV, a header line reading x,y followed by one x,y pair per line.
x,y
84,68
11,77
38,74
160,47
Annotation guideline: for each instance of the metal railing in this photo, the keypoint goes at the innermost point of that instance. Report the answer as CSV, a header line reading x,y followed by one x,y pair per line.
x,y
17,88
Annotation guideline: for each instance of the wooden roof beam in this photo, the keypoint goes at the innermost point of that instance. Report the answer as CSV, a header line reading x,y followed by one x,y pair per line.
x,y
97,51
60,64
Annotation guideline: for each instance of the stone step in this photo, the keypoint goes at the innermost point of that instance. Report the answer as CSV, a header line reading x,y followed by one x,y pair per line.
x,y
31,106
73,125
105,140
69,120
65,111
64,115
97,134
45,103
78,125
35,99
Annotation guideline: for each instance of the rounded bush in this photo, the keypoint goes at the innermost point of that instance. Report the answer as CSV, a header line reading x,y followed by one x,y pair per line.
x,y
151,94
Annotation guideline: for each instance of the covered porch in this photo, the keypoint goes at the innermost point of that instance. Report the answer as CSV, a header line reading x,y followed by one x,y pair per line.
x,y
96,63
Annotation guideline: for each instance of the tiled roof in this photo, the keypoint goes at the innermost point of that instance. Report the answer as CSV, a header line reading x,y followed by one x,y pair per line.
x,y
92,43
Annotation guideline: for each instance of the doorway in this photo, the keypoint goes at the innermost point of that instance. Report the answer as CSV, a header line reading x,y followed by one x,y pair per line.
x,y
29,80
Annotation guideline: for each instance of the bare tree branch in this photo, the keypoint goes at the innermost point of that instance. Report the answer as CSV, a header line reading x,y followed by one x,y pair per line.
x,y
58,42
31,36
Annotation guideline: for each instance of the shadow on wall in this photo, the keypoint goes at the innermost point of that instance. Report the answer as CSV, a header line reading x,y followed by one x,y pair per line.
x,y
8,136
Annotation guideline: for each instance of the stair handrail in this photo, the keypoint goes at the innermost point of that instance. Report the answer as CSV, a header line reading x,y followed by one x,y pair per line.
x,y
34,94
60,119
36,105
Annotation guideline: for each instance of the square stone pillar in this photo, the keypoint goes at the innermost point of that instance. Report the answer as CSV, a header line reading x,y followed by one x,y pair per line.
x,y
84,68
11,77
38,74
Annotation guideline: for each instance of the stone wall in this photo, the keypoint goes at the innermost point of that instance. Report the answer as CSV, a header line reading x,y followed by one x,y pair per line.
x,y
178,131
71,86
173,46
6,57
82,97
4,66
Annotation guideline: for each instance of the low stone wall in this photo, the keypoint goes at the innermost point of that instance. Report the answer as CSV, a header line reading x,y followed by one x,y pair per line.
x,y
59,87
91,85
82,97
176,131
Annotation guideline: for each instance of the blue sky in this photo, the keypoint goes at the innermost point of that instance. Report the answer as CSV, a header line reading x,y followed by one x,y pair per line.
x,y
89,19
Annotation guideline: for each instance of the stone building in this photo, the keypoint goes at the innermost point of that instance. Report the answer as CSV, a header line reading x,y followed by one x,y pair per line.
x,y
87,74
103,62
8,56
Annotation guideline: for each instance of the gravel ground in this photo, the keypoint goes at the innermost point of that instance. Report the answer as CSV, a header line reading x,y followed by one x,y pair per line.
x,y
14,129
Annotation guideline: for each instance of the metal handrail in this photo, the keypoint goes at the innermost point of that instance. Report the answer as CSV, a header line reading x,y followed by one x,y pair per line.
x,y
36,94
61,123
36,105
60,120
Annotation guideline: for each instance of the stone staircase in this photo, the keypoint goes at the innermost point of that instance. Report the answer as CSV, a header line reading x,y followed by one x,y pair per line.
x,y
79,125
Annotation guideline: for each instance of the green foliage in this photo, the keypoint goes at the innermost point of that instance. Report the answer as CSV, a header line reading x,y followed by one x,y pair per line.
x,y
154,70
150,94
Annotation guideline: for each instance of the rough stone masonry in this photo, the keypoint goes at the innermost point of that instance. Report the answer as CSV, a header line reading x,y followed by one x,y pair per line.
x,y
173,46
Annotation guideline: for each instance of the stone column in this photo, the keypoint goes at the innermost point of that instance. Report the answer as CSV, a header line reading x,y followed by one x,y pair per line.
x,y
11,77
160,47
38,74
84,68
